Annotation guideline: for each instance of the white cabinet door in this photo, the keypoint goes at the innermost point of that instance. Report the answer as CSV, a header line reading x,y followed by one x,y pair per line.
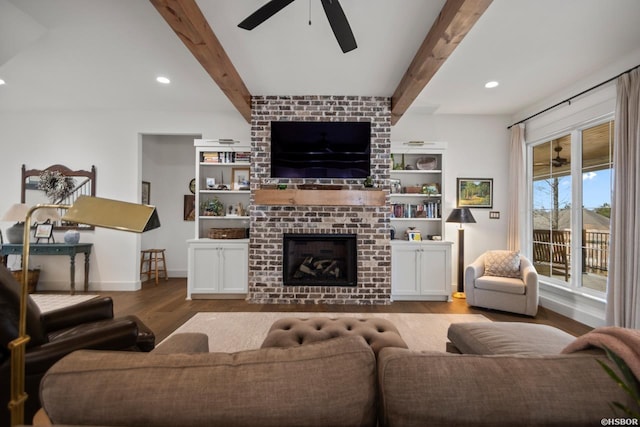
x,y
216,267
203,269
435,266
405,274
421,271
234,263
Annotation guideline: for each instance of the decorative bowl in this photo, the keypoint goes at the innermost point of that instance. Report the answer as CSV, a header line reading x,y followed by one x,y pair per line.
x,y
427,163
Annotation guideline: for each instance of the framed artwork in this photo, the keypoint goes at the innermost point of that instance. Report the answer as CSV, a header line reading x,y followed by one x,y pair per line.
x,y
146,192
414,236
240,178
431,188
475,193
43,231
189,207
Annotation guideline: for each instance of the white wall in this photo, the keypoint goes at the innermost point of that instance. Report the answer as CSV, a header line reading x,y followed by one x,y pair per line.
x,y
112,142
477,147
115,142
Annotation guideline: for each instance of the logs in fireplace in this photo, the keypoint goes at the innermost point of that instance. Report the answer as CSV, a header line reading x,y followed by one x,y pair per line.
x,y
319,259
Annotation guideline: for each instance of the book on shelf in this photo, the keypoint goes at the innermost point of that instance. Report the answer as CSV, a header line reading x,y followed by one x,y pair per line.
x,y
226,157
428,209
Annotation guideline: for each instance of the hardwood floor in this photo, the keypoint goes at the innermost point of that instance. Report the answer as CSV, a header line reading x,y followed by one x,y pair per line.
x,y
163,308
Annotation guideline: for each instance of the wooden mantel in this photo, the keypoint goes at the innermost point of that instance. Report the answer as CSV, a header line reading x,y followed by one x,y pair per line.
x,y
295,197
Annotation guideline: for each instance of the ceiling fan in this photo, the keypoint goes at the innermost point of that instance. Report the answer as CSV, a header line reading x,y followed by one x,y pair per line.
x,y
332,9
558,161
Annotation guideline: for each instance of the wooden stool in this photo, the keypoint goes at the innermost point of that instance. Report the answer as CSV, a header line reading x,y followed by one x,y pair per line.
x,y
153,257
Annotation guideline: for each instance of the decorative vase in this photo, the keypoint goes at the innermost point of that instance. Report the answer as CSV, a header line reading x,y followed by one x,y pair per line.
x,y
15,233
71,237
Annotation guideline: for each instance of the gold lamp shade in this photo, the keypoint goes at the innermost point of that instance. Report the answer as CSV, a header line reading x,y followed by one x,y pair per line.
x,y
114,214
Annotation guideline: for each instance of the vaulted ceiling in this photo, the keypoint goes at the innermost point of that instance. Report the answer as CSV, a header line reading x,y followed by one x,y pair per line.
x,y
453,23
105,55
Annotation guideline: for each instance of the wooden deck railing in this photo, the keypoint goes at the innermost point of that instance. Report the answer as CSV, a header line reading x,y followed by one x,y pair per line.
x,y
595,251
553,248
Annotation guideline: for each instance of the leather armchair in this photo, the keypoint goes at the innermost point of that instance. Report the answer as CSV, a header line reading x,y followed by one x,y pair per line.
x,y
53,335
512,294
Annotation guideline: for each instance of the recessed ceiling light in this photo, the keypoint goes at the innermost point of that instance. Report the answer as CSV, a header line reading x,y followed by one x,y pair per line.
x,y
491,84
2,82
163,80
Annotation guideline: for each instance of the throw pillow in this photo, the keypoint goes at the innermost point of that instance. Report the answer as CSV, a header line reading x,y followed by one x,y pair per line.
x,y
502,263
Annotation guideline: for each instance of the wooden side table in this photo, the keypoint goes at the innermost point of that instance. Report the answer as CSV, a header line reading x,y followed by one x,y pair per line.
x,y
55,249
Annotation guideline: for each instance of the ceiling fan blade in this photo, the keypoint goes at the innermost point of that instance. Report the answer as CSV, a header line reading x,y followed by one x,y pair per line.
x,y
264,13
339,25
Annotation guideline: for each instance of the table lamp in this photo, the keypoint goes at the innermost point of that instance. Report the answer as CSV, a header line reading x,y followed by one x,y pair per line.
x,y
461,216
46,214
17,212
88,210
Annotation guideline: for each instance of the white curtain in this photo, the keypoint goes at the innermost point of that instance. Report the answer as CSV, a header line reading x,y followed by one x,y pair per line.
x,y
517,186
623,289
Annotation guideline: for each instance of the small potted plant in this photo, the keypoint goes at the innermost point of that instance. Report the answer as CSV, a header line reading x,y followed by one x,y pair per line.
x,y
212,207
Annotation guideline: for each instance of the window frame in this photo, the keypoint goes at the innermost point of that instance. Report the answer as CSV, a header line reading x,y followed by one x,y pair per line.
x,y
575,133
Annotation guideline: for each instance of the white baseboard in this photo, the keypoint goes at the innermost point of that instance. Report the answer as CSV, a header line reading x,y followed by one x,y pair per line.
x,y
579,307
93,287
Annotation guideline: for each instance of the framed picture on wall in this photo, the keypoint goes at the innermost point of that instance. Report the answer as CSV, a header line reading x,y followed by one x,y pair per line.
x,y
189,209
475,193
146,192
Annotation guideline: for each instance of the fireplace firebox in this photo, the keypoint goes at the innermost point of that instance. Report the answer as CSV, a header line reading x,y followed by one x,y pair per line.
x,y
319,259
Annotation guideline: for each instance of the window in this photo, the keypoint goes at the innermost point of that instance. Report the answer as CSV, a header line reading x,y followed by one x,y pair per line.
x,y
570,184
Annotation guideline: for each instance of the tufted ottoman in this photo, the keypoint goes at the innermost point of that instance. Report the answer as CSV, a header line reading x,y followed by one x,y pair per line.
x,y
294,331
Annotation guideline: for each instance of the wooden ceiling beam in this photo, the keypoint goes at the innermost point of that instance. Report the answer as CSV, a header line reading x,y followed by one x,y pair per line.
x,y
188,22
456,19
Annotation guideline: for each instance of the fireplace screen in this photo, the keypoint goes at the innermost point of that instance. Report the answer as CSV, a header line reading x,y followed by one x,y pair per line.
x,y
319,259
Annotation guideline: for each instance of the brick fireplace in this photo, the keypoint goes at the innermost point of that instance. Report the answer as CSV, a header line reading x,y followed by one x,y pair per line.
x,y
369,223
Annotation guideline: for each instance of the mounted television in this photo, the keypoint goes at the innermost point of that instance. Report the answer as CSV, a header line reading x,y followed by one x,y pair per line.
x,y
320,149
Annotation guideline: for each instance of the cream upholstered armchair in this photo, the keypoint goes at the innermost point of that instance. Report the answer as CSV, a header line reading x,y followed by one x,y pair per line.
x,y
502,280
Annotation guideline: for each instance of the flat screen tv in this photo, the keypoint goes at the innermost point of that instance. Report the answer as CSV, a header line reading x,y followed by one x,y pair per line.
x,y
320,149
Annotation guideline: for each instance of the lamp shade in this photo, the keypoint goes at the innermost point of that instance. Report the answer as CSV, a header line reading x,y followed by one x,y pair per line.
x,y
17,212
44,214
461,216
114,214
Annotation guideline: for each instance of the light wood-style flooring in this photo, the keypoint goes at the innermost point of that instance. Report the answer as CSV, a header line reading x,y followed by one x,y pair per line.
x,y
164,308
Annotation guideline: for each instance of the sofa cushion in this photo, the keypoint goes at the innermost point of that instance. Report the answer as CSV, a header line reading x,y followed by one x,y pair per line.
x,y
508,338
507,285
294,331
330,383
438,389
502,263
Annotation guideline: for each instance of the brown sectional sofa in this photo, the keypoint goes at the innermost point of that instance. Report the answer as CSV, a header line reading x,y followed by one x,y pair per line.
x,y
337,382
